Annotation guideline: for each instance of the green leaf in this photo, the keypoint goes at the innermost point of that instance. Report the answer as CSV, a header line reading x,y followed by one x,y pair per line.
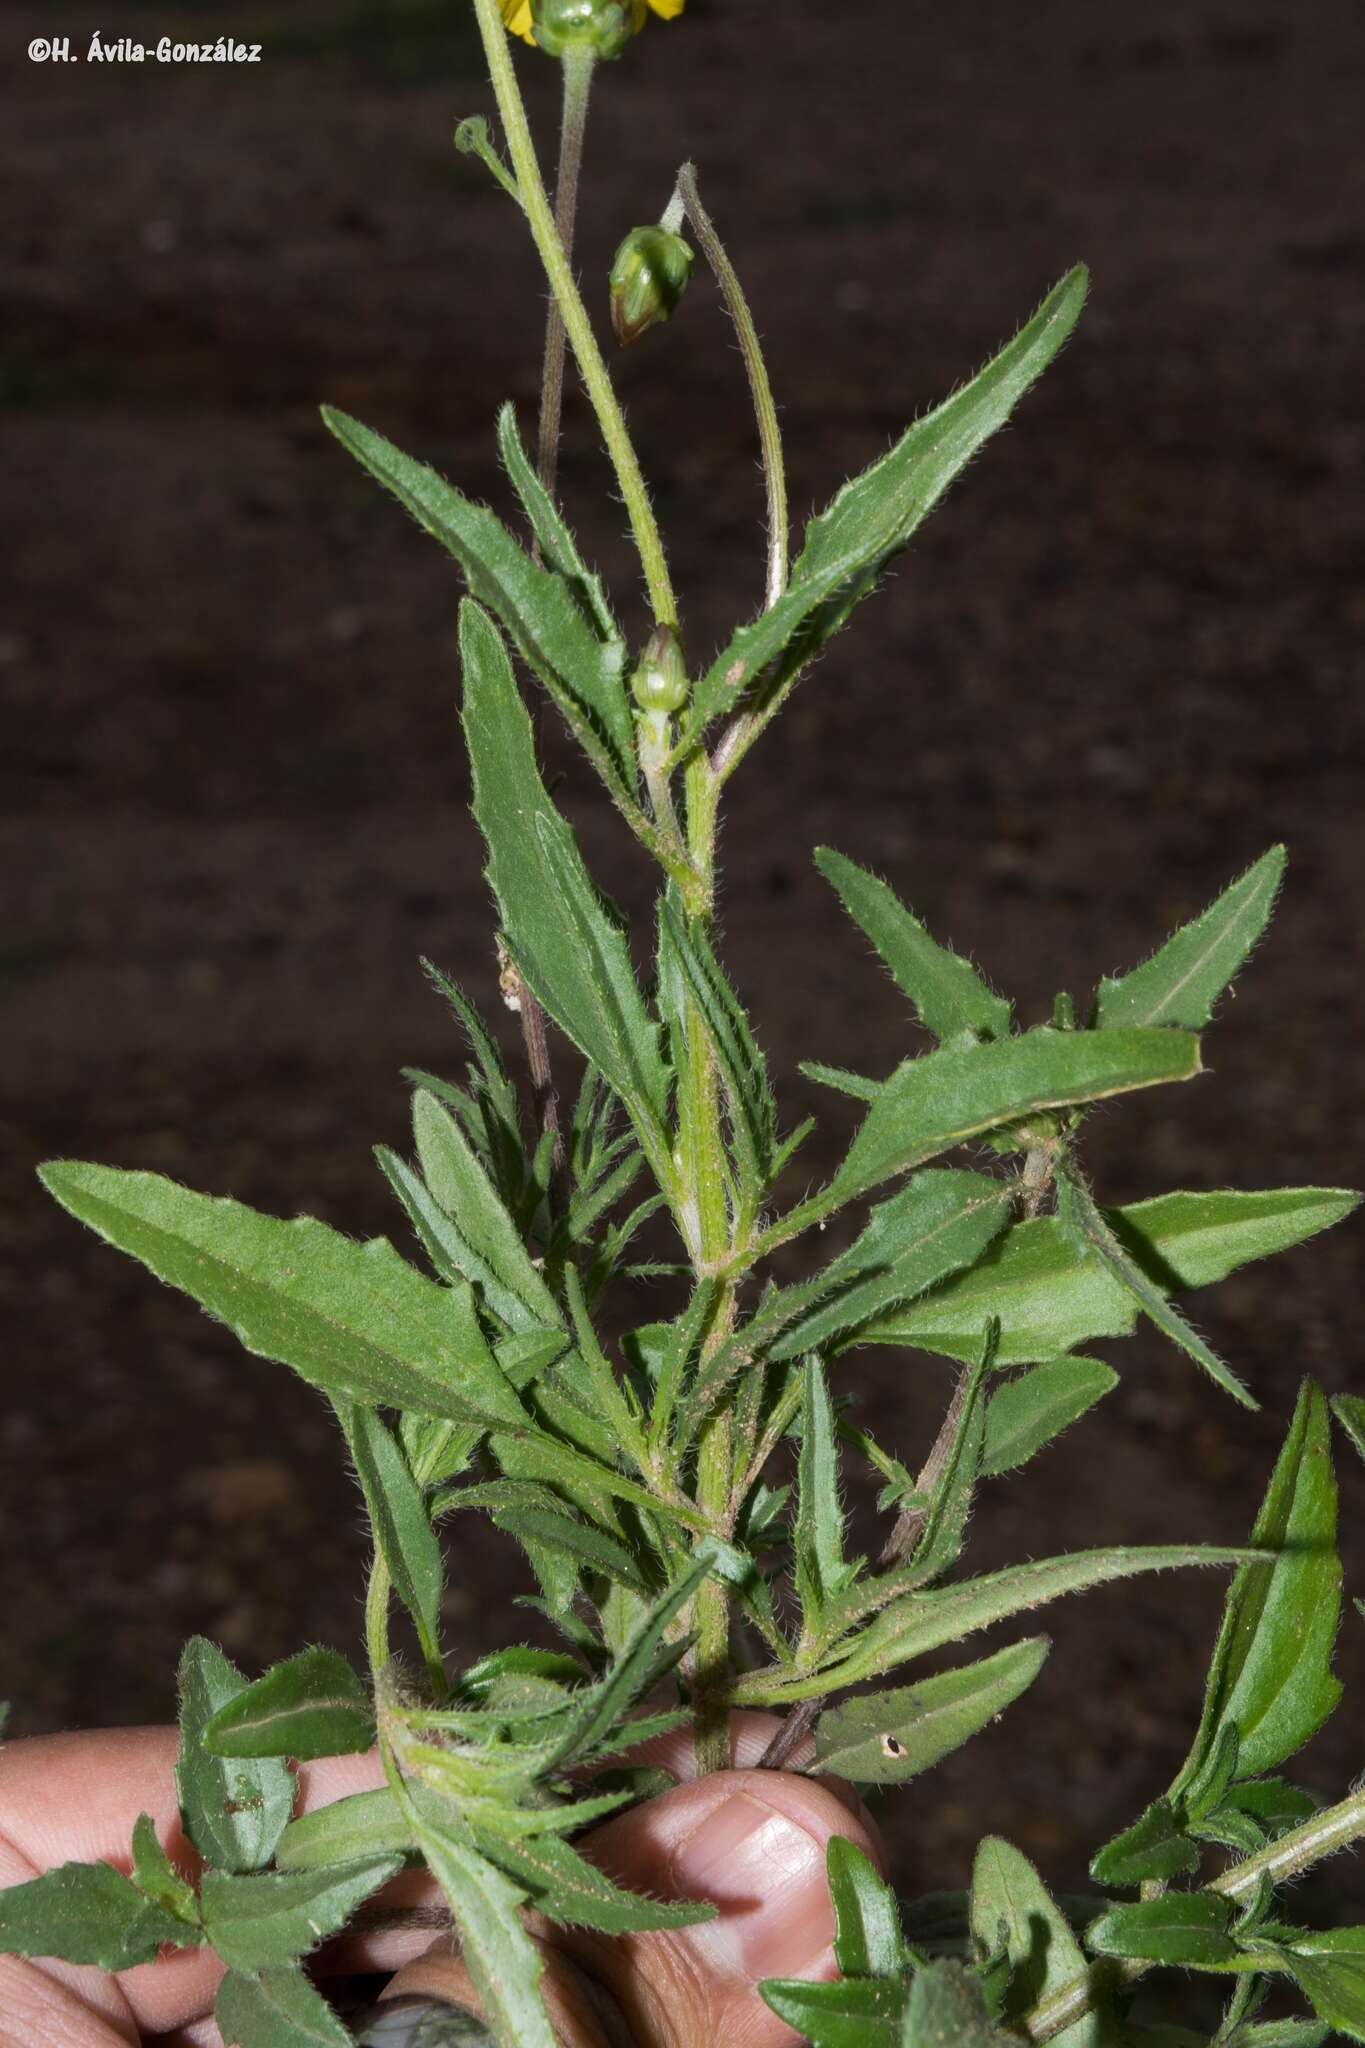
x,y
263,1921
591,1549
277,2009
1011,1908
946,990
1181,983
616,1692
1078,1213
556,543
919,1622
352,1319
851,2013
1349,1410
818,1530
156,1875
234,1810
363,1825
1050,1297
1278,2034
402,1528
571,952
941,1221
886,1737
312,1705
947,2005
1027,1413
860,1086
87,1913
847,547
1186,1928
540,609
574,1893
1330,1971
502,1959
1155,1848
496,1259
867,1928
742,1067
1271,1676
931,1104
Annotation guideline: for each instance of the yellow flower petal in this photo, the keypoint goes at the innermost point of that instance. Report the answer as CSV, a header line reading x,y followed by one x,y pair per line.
x,y
669,9
517,15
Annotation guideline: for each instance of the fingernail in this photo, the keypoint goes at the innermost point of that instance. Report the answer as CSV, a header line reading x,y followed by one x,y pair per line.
x,y
423,2023
766,1874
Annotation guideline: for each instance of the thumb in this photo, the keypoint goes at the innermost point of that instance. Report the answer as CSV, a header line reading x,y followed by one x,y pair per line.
x,y
751,1842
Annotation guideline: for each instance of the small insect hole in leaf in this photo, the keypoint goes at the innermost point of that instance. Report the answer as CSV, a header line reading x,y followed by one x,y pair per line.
x,y
890,1746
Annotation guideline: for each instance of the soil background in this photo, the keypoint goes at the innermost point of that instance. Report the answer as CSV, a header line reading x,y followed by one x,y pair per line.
x,y
1118,663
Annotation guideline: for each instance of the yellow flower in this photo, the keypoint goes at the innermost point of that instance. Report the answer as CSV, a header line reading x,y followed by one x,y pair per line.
x,y
517,14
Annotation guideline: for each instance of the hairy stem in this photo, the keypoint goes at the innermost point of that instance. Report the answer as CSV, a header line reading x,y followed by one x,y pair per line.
x,y
1335,1828
587,354
769,434
577,65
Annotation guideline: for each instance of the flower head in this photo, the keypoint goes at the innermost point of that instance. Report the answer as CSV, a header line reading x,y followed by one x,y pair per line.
x,y
607,24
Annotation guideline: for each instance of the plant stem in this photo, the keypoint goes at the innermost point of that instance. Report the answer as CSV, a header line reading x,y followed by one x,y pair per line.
x,y
578,327
769,434
1336,1827
577,65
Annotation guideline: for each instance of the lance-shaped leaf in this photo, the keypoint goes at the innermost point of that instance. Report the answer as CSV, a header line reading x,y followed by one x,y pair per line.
x,y
574,1893
946,990
501,1958
883,1738
1181,983
539,608
1080,1215
940,1222
1154,1849
818,1526
500,1262
1271,1676
867,1928
402,1528
742,1066
1349,1410
587,1548
1186,1928
263,1921
353,1319
276,2009
1329,1969
919,1622
1011,1908
930,1105
156,1875
234,1810
553,537
364,1824
571,951
1027,1413
636,1666
87,1913
309,1706
871,518
1049,1297
853,2012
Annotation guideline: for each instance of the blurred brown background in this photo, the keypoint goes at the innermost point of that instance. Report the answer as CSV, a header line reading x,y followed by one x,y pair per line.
x,y
1118,664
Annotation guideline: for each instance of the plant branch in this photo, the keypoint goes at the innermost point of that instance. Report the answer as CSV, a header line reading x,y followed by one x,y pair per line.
x,y
578,327
1327,1832
910,1522
750,347
791,1735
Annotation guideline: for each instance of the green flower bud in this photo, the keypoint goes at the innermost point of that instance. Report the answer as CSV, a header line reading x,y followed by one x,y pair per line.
x,y
605,26
659,684
648,278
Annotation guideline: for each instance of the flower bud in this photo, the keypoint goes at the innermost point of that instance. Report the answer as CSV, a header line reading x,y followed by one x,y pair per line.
x,y
648,278
659,684
603,26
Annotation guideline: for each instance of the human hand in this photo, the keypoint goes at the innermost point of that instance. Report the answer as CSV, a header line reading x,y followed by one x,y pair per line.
x,y
751,1841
